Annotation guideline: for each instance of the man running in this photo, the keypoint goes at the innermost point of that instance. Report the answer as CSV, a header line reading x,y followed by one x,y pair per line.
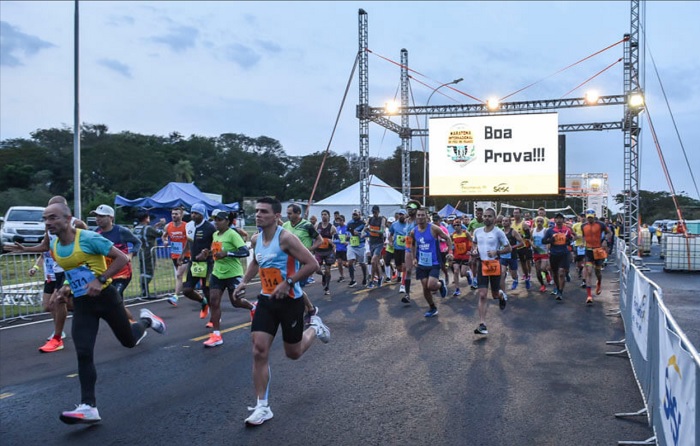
x,y
489,243
175,237
412,207
509,261
148,235
202,264
540,253
525,251
579,248
83,255
325,252
594,233
375,230
425,239
462,242
474,224
397,238
356,248
437,221
282,262
227,248
341,241
559,238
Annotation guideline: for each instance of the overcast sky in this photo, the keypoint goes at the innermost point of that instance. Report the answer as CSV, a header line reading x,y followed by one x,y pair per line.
x,y
280,69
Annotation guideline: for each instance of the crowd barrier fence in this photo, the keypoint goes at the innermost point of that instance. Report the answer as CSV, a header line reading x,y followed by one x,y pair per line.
x,y
665,364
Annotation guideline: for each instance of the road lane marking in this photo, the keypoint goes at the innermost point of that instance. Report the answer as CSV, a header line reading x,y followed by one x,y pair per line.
x,y
6,395
237,327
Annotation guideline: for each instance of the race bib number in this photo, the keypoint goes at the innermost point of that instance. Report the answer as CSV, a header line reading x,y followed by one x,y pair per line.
x,y
342,237
409,242
269,279
199,269
490,268
560,238
325,244
460,249
78,279
425,258
176,248
401,240
581,250
355,241
216,247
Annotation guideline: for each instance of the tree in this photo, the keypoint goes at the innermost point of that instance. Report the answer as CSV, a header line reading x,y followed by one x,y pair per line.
x,y
659,206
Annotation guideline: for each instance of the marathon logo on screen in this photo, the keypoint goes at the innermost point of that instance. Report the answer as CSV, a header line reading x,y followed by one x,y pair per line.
x,y
536,155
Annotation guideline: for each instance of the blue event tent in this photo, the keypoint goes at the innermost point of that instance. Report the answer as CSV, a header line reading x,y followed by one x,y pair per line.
x,y
173,195
450,210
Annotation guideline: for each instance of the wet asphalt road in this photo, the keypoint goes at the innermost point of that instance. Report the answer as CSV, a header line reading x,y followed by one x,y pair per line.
x,y
389,376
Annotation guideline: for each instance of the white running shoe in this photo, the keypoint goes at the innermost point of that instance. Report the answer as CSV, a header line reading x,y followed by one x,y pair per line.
x,y
157,323
259,416
402,289
145,332
322,331
83,413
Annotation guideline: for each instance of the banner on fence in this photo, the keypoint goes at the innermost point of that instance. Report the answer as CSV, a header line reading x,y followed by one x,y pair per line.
x,y
676,388
640,312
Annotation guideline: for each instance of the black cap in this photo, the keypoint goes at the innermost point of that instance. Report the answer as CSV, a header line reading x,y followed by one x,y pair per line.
x,y
559,214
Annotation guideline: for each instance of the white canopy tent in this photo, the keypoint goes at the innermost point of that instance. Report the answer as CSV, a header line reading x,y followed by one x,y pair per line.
x,y
381,194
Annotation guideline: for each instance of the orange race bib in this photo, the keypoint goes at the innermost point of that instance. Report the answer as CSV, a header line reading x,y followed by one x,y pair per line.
x,y
409,242
560,238
325,244
269,279
490,268
215,247
460,248
599,254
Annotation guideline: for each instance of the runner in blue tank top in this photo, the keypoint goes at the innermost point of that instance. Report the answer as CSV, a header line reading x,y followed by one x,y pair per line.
x,y
282,262
425,240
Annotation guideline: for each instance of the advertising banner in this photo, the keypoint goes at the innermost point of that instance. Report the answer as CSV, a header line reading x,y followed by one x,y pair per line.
x,y
677,387
641,294
495,156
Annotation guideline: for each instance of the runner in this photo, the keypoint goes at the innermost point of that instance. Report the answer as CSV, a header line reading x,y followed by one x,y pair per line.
x,y
175,236
82,254
425,239
489,243
541,253
509,260
201,265
310,238
148,235
341,240
594,233
325,252
374,229
388,252
397,239
559,238
356,249
462,242
53,280
474,224
579,248
412,207
444,264
227,248
282,261
525,251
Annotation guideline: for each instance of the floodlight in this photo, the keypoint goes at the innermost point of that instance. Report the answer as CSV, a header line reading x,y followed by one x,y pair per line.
x,y
591,97
493,104
391,107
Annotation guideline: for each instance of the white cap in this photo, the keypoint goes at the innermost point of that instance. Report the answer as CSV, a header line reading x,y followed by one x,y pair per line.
x,y
103,209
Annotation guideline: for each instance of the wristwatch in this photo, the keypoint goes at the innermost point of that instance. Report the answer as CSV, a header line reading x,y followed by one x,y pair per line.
x,y
290,282
102,279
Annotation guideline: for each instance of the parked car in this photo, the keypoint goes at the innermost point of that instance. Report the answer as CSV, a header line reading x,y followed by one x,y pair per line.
x,y
22,224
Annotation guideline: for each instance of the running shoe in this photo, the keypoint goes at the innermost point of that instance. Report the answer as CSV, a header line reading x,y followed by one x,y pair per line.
x,y
589,300
364,282
543,289
514,285
559,296
381,282
371,285
431,313
352,284
172,300
52,345
457,293
402,289
322,331
405,299
583,284
326,292
598,289
524,277
340,279
204,312
473,286
310,280
210,324
145,332
443,290
214,340
63,335
157,323
83,414
528,284
502,300
481,329
259,416
554,292
307,317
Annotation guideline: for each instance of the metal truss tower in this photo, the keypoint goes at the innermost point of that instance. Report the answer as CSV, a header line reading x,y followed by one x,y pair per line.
x,y
405,136
362,113
631,129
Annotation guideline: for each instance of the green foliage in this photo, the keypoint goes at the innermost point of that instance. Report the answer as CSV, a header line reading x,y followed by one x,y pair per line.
x,y
660,205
